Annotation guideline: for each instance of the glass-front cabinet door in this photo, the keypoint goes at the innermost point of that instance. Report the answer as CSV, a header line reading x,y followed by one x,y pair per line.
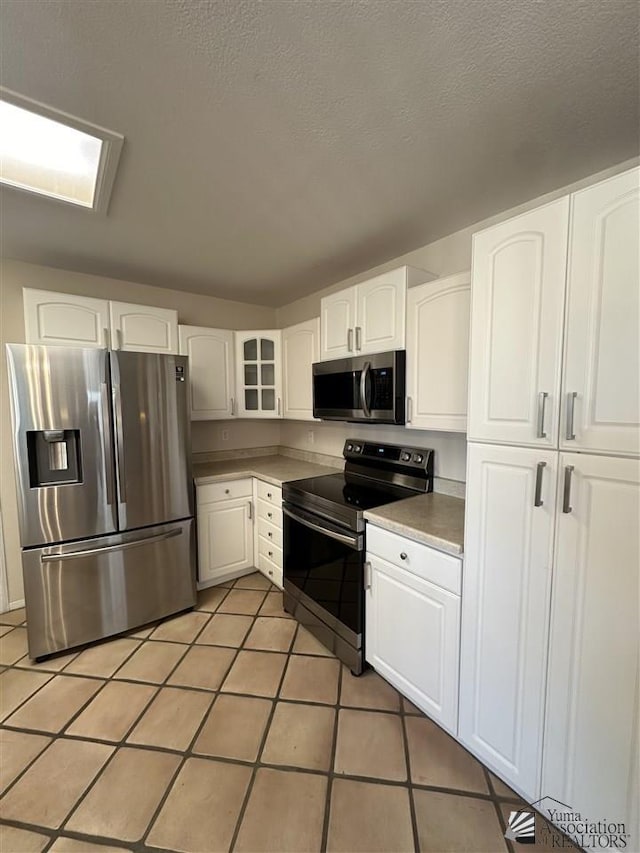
x,y
259,374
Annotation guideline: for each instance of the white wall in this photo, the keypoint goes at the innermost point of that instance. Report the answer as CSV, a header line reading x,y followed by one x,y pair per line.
x,y
192,309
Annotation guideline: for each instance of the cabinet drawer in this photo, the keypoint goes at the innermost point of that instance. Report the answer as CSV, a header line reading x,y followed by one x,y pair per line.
x,y
269,493
270,569
224,491
270,513
268,549
270,532
420,560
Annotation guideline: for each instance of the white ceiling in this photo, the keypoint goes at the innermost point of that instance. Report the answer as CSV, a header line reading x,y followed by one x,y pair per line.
x,y
276,147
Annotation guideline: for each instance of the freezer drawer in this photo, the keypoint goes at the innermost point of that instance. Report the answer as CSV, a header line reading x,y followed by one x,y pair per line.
x,y
83,591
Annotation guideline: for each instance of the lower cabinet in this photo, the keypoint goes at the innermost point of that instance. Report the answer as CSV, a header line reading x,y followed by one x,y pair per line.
x,y
413,623
225,530
592,721
239,528
510,515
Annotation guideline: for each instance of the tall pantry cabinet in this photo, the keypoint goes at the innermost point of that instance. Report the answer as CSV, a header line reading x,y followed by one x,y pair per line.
x,y
549,672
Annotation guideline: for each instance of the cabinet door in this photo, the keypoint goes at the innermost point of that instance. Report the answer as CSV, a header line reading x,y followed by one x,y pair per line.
x,y
225,538
142,328
61,318
381,312
337,323
259,374
438,354
517,299
418,653
300,348
591,736
601,381
511,498
211,374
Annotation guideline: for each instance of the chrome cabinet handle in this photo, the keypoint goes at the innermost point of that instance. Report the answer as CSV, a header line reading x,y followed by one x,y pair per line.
x,y
269,515
571,405
269,495
250,510
106,337
270,534
367,575
403,556
537,501
278,405
227,491
270,553
119,338
566,500
350,340
542,402
358,338
409,409
233,406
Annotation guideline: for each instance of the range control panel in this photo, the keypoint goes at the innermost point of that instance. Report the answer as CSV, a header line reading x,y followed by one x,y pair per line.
x,y
412,457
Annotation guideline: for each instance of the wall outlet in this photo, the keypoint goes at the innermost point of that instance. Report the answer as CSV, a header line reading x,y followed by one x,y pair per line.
x,y
310,436
225,435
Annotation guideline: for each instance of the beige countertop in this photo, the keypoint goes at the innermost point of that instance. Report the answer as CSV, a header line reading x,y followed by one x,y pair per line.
x,y
273,469
436,520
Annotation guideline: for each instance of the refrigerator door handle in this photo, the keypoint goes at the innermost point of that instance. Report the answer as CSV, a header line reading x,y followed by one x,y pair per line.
x,y
119,436
106,420
122,546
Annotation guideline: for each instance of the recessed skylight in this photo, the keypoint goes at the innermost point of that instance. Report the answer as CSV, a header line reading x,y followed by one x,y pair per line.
x,y
54,154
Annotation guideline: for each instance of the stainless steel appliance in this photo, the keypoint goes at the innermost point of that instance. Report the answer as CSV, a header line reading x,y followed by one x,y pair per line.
x,y
324,538
105,494
362,389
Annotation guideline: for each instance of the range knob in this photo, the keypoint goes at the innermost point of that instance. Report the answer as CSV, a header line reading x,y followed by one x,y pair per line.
x,y
349,447
357,448
418,458
405,456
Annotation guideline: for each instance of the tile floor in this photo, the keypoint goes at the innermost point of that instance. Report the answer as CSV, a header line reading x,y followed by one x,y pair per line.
x,y
227,728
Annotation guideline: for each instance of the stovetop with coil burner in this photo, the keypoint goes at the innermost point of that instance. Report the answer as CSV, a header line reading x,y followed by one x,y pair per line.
x,y
374,475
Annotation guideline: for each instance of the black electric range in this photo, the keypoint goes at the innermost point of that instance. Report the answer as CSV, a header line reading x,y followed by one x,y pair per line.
x,y
324,538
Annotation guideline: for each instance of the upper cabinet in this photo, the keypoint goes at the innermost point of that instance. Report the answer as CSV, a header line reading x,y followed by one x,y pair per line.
x,y
259,374
601,385
438,353
517,301
63,319
521,391
300,348
211,371
141,328
80,321
368,317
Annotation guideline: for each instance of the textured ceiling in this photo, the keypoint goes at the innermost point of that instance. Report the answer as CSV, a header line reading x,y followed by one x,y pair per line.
x,y
275,147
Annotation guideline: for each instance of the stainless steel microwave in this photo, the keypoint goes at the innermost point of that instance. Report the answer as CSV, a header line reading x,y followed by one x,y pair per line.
x,y
363,389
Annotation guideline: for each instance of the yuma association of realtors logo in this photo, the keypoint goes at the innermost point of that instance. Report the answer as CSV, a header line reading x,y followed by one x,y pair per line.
x,y
522,827
564,828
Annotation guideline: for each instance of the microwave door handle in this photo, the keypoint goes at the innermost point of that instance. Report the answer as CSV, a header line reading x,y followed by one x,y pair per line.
x,y
363,389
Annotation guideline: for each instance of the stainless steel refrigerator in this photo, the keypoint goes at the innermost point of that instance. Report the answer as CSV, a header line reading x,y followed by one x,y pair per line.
x,y
103,468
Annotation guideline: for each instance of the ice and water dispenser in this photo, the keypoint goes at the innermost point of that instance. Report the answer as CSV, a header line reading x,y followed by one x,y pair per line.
x,y
54,457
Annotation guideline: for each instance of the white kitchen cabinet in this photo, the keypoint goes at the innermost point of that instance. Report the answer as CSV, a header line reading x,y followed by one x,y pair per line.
x,y
438,353
225,530
337,324
601,381
268,536
517,300
368,317
300,349
64,319
419,652
591,739
509,523
142,328
259,374
211,371
80,321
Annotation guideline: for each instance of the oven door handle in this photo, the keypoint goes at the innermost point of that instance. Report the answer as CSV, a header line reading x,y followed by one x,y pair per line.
x,y
345,539
363,389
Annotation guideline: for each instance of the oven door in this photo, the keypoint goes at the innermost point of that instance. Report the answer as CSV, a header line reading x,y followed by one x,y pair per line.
x,y
324,571
362,389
